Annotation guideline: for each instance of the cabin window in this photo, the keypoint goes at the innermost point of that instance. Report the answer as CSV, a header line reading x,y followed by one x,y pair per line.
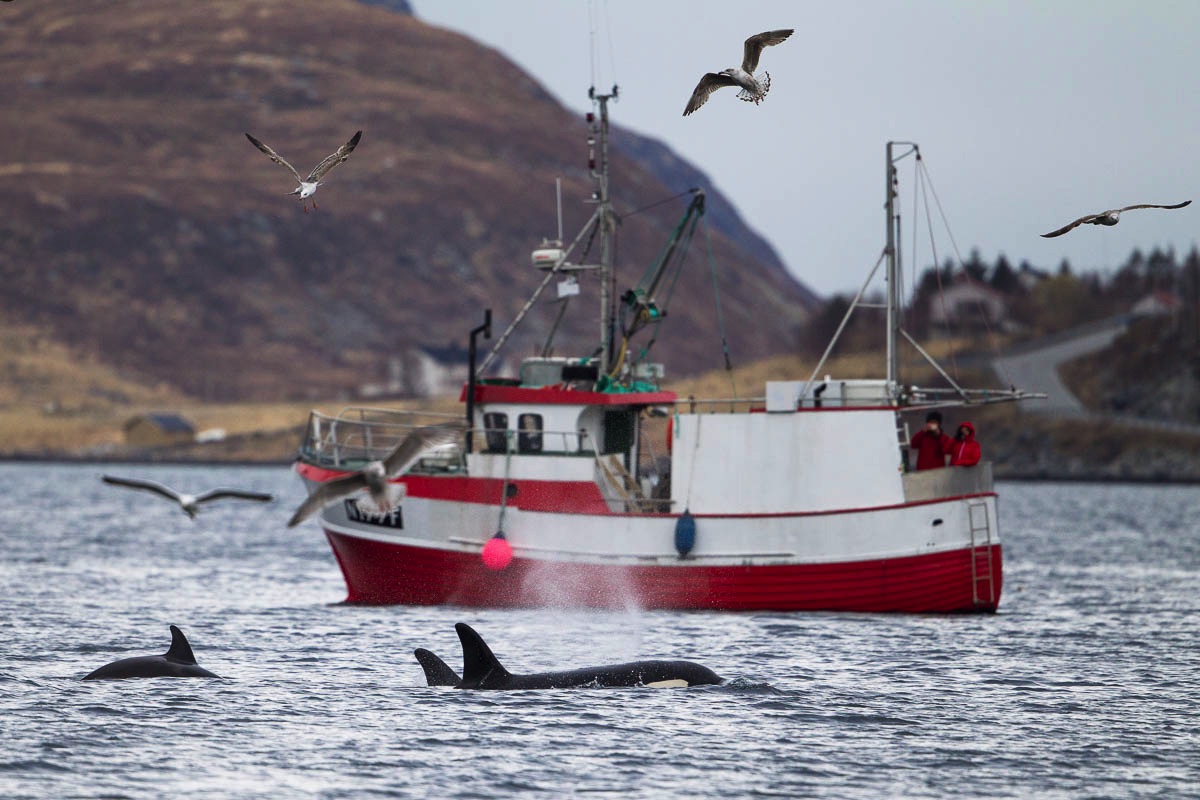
x,y
529,433
618,431
496,431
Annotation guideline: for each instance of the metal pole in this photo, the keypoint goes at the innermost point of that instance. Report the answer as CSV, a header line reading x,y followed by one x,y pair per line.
x,y
890,251
893,272
486,330
605,222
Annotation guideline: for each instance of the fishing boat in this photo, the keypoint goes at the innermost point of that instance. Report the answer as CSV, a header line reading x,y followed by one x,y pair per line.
x,y
608,491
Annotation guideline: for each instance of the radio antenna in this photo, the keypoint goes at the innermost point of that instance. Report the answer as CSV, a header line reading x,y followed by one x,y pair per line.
x,y
558,200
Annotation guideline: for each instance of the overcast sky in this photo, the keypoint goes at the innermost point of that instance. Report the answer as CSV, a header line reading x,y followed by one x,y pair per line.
x,y
1029,114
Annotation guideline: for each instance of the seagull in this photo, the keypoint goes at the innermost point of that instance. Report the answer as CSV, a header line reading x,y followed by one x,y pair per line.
x,y
753,89
374,476
188,502
1111,217
308,186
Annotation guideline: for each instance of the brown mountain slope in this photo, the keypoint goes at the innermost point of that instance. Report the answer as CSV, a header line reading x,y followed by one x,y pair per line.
x,y
141,228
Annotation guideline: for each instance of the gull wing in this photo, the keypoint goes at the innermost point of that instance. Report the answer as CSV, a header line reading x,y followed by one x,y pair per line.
x,y
1091,217
418,443
1073,225
707,85
278,159
238,494
326,493
147,486
756,43
1152,205
337,157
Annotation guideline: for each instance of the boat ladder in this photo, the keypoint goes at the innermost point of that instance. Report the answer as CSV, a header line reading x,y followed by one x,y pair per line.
x,y
619,478
983,589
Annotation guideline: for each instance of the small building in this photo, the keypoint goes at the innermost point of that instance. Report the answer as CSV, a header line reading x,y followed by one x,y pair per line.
x,y
1157,304
157,430
424,371
968,304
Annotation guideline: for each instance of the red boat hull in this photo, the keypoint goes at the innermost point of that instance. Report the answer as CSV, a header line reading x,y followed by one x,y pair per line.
x,y
385,574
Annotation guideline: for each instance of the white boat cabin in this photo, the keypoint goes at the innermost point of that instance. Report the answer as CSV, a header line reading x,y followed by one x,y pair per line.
x,y
834,445
550,425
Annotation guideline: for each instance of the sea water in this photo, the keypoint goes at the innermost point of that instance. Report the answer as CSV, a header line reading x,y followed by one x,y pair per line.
x,y
1085,684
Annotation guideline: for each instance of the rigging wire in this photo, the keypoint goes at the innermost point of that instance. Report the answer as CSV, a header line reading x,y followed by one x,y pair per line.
x,y
841,326
991,334
612,286
547,348
512,326
937,267
641,316
712,271
657,203
685,241
670,264
612,60
596,18
592,39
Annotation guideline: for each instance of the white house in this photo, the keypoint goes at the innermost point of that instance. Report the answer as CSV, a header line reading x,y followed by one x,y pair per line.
x,y
422,372
968,304
1157,303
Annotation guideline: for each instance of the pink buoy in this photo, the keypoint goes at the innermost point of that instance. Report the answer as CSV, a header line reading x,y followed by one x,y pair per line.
x,y
497,553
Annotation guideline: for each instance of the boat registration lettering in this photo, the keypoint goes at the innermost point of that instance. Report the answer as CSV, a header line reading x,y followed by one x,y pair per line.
x,y
390,519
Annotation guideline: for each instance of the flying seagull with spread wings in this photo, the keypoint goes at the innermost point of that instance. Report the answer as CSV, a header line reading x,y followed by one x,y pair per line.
x,y
189,503
1110,217
754,89
308,186
383,496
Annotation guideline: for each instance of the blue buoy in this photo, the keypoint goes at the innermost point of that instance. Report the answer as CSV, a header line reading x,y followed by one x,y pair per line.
x,y
685,533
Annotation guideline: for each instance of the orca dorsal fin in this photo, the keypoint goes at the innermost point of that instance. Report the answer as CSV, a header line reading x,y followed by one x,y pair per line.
x,y
437,672
180,650
480,665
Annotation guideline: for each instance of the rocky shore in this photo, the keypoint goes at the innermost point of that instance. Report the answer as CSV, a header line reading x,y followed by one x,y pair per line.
x,y
1019,447
1031,448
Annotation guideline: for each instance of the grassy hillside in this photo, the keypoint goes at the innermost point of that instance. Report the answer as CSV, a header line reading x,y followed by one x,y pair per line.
x,y
142,231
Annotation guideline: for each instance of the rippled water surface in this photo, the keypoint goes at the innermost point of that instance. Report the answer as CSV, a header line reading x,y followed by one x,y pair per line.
x,y
1085,684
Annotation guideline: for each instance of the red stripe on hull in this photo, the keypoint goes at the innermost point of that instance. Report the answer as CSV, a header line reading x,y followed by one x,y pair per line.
x,y
391,574
576,497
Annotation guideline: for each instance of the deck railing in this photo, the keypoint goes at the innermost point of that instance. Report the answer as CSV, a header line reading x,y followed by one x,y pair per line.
x,y
358,434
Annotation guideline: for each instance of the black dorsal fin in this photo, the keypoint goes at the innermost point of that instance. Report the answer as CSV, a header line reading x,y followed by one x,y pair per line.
x,y
480,666
180,650
437,672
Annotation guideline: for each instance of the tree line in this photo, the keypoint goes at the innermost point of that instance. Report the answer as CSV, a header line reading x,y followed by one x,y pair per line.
x,y
1037,301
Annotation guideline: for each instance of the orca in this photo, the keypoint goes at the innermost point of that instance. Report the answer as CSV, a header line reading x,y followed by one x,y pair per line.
x,y
437,672
482,670
178,662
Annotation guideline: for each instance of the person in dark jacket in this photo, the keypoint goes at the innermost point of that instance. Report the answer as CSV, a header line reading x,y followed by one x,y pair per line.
x,y
931,443
964,450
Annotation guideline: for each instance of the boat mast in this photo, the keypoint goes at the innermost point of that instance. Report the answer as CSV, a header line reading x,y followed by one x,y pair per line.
x,y
892,363
604,213
892,253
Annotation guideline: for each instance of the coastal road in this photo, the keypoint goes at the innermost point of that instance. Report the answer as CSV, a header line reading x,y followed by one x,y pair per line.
x,y
1035,367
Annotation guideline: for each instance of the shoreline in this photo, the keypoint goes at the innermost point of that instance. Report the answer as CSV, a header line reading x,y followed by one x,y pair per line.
x,y
181,461
1001,476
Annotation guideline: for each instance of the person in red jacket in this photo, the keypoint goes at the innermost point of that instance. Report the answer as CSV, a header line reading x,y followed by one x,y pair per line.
x,y
931,443
964,450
